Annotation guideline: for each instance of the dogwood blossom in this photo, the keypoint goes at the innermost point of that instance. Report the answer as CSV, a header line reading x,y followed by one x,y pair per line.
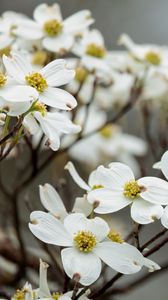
x,y
45,82
146,195
57,35
84,239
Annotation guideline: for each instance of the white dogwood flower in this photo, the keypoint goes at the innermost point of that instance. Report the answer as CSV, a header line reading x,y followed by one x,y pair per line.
x,y
53,203
152,54
92,49
145,195
53,124
57,35
45,82
84,239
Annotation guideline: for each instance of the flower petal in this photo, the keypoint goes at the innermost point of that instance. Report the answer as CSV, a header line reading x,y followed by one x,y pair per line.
x,y
56,73
107,201
31,124
82,206
63,42
49,229
78,222
144,212
156,190
101,176
17,66
78,21
79,181
51,201
58,98
123,258
164,164
45,12
164,218
121,173
18,93
86,265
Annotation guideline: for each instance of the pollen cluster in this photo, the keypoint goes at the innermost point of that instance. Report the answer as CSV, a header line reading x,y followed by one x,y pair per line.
x,y
3,79
115,236
132,189
106,132
95,50
38,106
5,51
39,58
19,295
153,58
81,74
56,295
85,241
37,81
52,27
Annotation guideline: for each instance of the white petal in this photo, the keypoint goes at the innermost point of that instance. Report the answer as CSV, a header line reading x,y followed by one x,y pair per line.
x,y
108,201
43,286
101,176
49,229
151,265
123,258
58,98
164,218
157,165
164,164
144,212
78,21
49,127
51,200
78,222
156,190
31,124
56,73
17,66
87,265
82,206
15,108
121,173
18,93
45,12
29,30
63,42
79,181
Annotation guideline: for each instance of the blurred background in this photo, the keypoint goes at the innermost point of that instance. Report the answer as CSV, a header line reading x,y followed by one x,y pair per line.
x,y
146,21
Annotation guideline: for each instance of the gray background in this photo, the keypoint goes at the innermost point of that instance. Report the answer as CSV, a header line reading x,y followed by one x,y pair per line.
x,y
144,21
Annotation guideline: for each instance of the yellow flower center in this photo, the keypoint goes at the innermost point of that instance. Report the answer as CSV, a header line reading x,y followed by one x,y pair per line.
x,y
39,58
56,295
5,51
115,236
132,189
52,27
20,294
38,106
95,50
98,186
107,132
3,79
81,74
85,241
37,81
153,58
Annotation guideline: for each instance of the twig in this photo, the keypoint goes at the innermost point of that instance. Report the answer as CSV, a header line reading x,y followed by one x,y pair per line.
x,y
153,239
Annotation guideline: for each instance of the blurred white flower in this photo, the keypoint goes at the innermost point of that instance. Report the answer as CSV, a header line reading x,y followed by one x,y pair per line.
x,y
86,246
58,35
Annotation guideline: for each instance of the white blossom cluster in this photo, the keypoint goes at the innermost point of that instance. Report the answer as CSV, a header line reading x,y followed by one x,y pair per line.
x,y
59,82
